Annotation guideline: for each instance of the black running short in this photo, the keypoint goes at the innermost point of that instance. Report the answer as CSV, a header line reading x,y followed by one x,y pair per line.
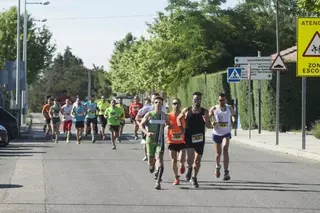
x,y
114,128
48,120
55,120
198,147
103,121
176,147
79,124
91,120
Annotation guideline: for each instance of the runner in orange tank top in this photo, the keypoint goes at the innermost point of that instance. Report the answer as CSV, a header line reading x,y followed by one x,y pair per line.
x,y
176,141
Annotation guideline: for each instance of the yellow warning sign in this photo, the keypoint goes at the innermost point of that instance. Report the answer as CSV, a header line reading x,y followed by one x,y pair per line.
x,y
308,43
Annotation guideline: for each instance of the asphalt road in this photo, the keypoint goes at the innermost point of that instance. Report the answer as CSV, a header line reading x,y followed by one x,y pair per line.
x,y
43,177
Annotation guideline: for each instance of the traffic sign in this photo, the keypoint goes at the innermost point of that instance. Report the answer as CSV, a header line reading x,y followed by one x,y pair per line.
x,y
234,74
253,60
308,59
260,67
278,64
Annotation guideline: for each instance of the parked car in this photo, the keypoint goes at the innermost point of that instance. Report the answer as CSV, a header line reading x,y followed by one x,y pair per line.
x,y
4,138
9,122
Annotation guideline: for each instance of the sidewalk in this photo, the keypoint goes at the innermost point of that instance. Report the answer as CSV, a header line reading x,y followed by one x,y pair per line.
x,y
289,143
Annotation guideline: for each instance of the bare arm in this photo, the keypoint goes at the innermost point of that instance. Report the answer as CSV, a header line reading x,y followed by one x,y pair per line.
x,y
181,116
168,122
50,112
138,119
233,114
211,112
207,119
143,122
62,110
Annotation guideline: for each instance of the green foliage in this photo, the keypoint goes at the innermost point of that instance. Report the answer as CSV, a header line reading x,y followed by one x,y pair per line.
x,y
67,73
312,6
290,101
101,84
40,48
194,37
243,105
316,129
216,83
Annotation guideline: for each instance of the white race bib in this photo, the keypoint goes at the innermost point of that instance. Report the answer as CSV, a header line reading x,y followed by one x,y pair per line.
x,y
222,124
157,121
197,138
177,136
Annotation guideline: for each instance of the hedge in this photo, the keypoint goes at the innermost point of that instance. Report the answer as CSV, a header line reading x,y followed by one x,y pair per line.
x,y
216,83
290,101
290,98
242,96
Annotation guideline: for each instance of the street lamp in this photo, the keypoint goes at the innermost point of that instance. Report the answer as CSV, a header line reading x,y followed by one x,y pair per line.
x,y
25,47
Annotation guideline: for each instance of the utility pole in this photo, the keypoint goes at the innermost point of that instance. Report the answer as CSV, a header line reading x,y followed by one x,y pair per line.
x,y
18,92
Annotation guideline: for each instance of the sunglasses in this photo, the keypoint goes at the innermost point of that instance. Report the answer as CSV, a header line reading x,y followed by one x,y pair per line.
x,y
157,102
175,103
221,100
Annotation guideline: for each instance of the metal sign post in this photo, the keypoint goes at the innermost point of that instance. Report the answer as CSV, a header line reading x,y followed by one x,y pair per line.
x,y
235,103
303,111
249,99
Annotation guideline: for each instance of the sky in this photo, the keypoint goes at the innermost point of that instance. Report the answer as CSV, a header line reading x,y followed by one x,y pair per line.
x,y
90,27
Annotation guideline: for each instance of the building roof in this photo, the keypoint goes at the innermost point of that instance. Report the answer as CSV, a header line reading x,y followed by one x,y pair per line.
x,y
288,55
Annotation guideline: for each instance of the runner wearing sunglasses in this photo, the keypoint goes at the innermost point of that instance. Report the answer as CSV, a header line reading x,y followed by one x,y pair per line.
x,y
176,141
152,125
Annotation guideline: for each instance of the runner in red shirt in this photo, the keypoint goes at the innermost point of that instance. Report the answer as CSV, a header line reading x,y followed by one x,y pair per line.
x,y
134,107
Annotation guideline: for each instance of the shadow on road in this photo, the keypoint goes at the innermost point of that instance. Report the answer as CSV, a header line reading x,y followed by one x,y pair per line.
x,y
262,182
244,188
6,186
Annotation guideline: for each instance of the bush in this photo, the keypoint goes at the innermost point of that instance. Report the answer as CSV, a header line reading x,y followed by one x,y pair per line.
x,y
242,93
215,84
316,129
290,101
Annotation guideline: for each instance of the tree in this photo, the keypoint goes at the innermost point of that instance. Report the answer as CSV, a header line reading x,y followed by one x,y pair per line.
x,y
193,37
312,6
67,72
101,84
40,48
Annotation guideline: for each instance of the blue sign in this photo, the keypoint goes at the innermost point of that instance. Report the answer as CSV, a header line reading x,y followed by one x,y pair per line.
x,y
234,74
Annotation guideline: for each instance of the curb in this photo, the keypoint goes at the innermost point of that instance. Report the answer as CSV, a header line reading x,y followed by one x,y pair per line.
x,y
294,152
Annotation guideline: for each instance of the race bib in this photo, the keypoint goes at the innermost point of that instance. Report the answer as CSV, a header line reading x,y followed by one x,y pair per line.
x,y
80,113
136,108
55,115
177,136
67,113
197,138
223,124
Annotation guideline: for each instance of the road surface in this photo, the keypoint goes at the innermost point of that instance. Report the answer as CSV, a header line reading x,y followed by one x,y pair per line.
x,y
43,177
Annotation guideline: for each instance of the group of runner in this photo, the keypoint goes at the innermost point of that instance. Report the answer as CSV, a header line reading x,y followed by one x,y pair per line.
x,y
85,115
185,135
185,129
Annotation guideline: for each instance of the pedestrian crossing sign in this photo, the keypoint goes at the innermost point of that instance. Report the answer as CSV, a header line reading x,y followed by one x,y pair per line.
x,y
234,74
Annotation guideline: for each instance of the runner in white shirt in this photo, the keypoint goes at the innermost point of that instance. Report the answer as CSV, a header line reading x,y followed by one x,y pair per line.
x,y
221,134
67,118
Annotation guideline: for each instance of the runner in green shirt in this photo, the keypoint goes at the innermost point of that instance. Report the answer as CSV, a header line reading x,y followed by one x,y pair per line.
x,y
114,114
